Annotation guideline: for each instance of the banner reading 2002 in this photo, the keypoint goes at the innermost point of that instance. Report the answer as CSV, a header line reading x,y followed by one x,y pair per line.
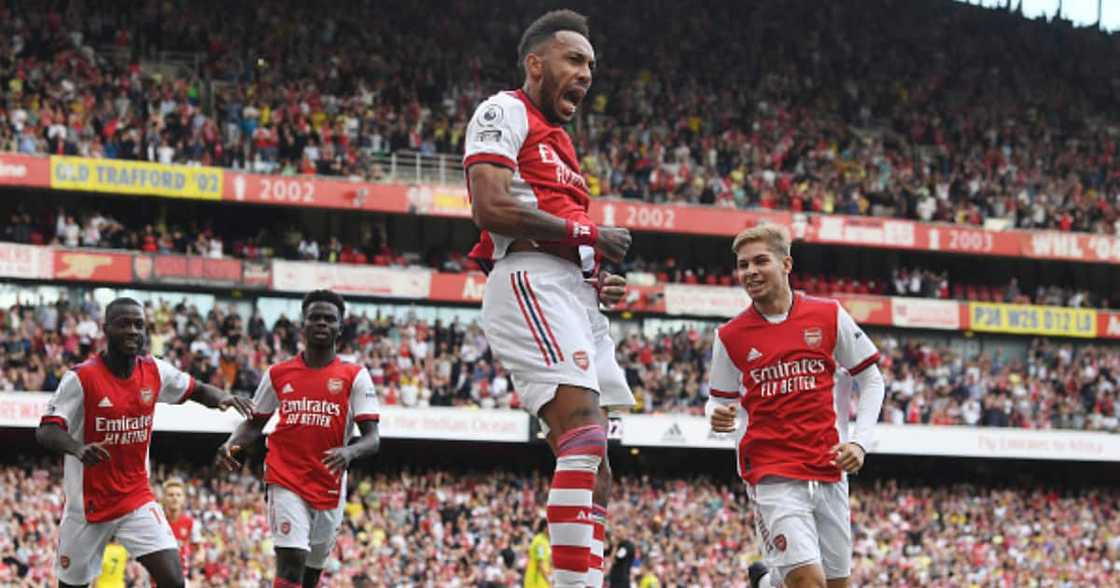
x,y
141,178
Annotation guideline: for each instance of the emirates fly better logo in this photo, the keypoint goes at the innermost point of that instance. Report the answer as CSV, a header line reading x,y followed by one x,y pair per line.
x,y
785,377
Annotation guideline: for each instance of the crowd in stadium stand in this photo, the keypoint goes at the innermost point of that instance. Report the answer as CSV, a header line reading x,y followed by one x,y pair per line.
x,y
442,528
92,228
416,363
932,111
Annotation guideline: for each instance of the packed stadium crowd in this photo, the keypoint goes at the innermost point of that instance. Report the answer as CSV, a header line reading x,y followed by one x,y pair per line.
x,y
419,363
933,111
80,227
445,528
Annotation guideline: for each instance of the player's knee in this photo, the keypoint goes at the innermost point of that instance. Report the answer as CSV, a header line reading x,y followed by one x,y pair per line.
x,y
808,576
571,408
290,565
311,577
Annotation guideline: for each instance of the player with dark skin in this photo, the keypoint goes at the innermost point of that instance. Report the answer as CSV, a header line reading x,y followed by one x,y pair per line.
x,y
321,327
125,328
557,77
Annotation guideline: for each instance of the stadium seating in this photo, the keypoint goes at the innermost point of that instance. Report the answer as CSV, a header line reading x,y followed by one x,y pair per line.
x,y
445,528
416,363
811,116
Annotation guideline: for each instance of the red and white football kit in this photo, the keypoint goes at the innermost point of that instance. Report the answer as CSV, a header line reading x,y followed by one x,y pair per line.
x,y
540,315
785,373
113,497
188,535
317,411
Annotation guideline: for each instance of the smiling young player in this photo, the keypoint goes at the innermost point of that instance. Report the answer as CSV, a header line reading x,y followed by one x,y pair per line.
x,y
101,420
778,362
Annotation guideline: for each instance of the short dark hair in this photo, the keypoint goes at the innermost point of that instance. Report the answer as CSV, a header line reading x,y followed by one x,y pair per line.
x,y
324,296
548,25
119,302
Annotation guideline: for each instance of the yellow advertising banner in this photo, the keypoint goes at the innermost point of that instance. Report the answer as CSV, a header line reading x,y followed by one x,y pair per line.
x,y
1026,319
140,178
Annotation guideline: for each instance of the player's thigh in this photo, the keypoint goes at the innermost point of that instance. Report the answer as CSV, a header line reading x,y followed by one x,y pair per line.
x,y
324,532
807,575
569,408
834,526
80,547
289,517
164,567
785,525
145,530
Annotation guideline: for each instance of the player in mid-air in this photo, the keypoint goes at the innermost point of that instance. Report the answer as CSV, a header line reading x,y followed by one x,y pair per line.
x,y
100,418
186,532
319,398
541,306
775,370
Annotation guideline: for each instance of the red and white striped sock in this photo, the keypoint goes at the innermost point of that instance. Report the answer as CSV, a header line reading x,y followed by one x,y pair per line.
x,y
598,535
578,454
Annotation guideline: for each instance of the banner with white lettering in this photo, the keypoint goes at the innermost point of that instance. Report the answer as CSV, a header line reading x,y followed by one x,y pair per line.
x,y
696,300
26,262
366,280
686,431
455,424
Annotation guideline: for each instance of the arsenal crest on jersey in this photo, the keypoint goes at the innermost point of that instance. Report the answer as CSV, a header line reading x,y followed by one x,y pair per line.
x,y
334,385
812,336
146,395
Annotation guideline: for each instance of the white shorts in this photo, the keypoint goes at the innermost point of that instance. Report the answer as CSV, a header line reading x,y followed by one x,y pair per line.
x,y
800,522
542,320
296,525
81,544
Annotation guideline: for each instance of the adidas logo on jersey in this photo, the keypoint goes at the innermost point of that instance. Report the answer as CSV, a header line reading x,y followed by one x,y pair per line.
x,y
753,355
105,403
288,389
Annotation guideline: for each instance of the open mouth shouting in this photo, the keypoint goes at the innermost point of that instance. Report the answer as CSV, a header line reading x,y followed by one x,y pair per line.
x,y
570,100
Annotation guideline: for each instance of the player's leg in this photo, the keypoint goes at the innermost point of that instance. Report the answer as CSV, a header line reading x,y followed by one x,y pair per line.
x,y
324,531
833,517
164,568
290,520
290,564
615,397
600,496
80,547
809,575
148,537
579,441
311,576
784,522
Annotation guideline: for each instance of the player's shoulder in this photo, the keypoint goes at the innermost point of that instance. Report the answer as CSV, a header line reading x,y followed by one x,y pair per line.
x,y
505,108
745,319
289,365
91,364
816,304
350,369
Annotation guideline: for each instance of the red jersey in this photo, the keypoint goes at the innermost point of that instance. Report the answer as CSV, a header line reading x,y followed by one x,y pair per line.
x,y
508,130
784,374
187,534
95,406
318,409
